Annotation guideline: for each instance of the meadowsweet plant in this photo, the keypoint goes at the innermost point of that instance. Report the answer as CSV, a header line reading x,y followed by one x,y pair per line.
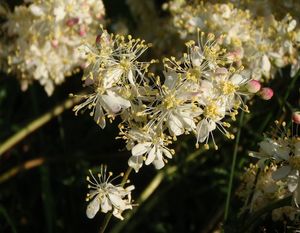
x,y
198,93
41,39
178,78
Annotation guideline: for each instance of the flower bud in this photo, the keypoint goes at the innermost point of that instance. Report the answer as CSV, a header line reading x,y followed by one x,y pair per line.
x,y
82,31
296,117
253,86
103,39
236,55
72,21
98,39
266,93
54,43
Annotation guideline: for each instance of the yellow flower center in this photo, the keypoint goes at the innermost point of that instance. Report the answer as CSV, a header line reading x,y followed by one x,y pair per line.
x,y
211,111
126,64
193,74
227,87
170,101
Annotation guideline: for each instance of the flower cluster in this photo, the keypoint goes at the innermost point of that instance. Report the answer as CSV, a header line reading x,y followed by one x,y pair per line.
x,y
42,39
269,7
105,196
283,149
258,189
261,43
195,95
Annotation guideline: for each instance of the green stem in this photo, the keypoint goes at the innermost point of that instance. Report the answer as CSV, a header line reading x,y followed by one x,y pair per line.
x,y
290,88
25,166
233,167
105,222
8,219
36,124
152,186
109,215
257,215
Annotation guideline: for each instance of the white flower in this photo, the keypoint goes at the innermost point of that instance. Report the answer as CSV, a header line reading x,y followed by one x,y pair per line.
x,y
150,145
271,149
176,110
101,104
105,196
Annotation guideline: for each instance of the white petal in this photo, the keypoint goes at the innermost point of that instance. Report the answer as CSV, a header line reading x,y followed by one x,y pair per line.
x,y
266,65
211,126
151,155
292,25
293,180
93,207
281,172
118,214
202,130
36,10
268,146
136,162
130,78
237,79
129,188
167,153
159,154
175,126
117,201
158,164
105,205
99,115
140,148
197,56
112,76
110,104
124,103
59,13
113,103
170,79
283,153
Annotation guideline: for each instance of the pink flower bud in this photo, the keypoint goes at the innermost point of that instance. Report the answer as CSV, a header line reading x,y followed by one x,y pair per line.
x,y
253,86
296,117
72,21
266,93
235,55
103,39
82,30
98,39
54,43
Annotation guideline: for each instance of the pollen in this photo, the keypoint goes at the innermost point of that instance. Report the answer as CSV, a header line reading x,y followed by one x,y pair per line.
x,y
227,87
211,111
